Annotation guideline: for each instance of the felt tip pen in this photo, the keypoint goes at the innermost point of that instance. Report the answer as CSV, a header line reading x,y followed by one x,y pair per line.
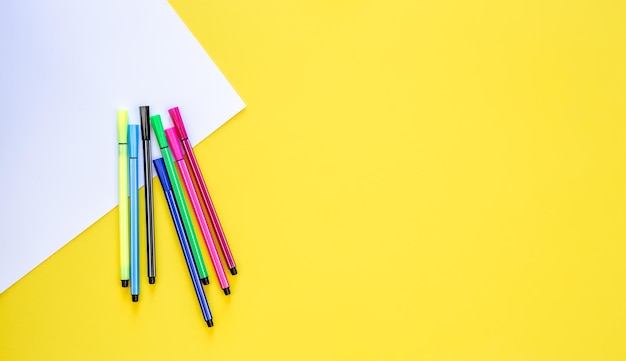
x,y
177,119
159,165
122,145
157,127
144,114
177,152
133,166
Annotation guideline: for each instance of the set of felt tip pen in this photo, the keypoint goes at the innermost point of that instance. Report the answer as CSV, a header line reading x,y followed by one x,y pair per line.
x,y
176,152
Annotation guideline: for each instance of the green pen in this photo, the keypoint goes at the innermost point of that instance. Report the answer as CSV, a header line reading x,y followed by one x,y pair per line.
x,y
157,126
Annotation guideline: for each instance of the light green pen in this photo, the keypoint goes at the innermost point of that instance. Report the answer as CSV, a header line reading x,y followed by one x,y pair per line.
x,y
122,145
157,126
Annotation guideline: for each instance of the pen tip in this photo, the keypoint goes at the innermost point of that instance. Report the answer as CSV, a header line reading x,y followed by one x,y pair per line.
x,y
124,283
210,323
151,280
227,291
233,271
205,281
135,298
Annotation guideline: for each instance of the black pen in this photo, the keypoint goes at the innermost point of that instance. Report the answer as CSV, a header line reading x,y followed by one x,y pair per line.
x,y
144,113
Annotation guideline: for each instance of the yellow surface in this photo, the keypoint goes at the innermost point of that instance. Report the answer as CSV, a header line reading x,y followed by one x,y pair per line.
x,y
419,180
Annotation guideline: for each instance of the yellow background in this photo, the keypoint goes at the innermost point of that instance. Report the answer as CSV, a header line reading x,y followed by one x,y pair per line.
x,y
420,180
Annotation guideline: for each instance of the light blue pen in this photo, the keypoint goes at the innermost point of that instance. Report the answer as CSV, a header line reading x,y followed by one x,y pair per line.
x,y
133,189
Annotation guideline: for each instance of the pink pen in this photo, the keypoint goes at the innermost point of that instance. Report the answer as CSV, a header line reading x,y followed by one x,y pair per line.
x,y
177,152
197,174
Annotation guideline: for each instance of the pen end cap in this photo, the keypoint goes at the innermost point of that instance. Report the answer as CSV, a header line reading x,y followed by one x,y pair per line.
x,y
233,271
124,283
151,280
227,291
172,138
157,127
122,126
144,115
210,323
205,281
133,140
178,122
135,298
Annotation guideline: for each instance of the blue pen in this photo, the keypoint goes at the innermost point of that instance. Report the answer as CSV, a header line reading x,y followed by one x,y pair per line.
x,y
159,164
133,189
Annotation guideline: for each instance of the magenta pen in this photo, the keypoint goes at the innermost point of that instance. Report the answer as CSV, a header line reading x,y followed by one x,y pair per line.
x,y
204,192
177,152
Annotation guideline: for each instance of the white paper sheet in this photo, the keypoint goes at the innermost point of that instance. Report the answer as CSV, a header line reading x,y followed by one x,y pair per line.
x,y
66,66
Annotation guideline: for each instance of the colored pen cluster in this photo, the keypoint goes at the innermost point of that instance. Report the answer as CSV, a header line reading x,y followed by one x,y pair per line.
x,y
171,168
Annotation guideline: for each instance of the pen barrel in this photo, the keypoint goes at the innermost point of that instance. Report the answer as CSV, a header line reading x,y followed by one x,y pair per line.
x,y
147,172
191,266
123,211
202,222
134,226
208,203
184,212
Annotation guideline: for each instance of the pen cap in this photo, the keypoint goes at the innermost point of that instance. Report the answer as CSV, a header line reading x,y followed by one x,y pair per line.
x,y
122,126
159,165
157,126
133,140
178,122
144,115
172,138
